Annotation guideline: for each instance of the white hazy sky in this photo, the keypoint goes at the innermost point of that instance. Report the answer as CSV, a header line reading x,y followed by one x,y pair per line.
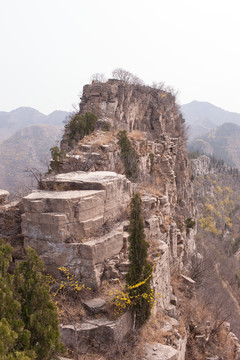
x,y
50,48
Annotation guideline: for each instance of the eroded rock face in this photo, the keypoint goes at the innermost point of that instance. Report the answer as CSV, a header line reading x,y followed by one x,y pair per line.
x,y
156,131
67,228
201,165
76,219
131,107
161,277
98,334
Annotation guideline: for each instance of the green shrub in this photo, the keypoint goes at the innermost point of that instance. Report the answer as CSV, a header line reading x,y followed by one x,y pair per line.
x,y
57,158
128,156
180,202
190,223
82,125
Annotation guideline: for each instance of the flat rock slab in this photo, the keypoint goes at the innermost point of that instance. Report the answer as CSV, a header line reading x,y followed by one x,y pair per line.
x,y
42,194
3,195
95,306
160,352
82,180
96,333
118,189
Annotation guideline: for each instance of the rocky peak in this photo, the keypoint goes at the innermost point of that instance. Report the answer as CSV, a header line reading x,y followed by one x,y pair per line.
x,y
132,107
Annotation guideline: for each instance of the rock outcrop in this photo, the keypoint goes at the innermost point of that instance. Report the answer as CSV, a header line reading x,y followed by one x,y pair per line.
x,y
62,225
201,166
79,217
3,196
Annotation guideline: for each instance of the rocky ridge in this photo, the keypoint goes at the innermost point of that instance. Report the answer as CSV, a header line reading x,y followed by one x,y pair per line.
x,y
78,218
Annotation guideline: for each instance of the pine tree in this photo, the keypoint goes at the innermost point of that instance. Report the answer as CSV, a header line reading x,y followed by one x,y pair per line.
x,y
140,269
37,310
14,338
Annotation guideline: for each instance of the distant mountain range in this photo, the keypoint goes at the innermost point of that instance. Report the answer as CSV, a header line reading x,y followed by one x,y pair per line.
x,y
223,142
202,117
213,131
25,151
19,118
26,136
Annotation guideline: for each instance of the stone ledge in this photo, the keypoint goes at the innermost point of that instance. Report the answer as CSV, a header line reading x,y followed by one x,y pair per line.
x,y
3,196
100,249
160,351
98,334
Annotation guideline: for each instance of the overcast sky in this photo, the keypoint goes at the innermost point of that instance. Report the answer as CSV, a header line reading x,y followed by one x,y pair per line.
x,y
50,48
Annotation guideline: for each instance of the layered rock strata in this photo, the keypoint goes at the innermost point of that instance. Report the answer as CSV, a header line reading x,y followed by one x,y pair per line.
x,y
67,228
131,107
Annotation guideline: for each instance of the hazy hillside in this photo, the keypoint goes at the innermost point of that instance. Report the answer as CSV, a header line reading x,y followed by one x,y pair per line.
x,y
202,117
223,142
28,148
19,118
217,197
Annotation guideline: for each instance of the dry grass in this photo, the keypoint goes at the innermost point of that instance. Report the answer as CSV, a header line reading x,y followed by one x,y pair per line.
x,y
97,138
151,333
70,308
136,135
103,138
149,189
195,316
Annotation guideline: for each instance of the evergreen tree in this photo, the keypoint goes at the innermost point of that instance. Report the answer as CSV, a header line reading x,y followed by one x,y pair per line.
x,y
140,269
37,311
28,318
14,338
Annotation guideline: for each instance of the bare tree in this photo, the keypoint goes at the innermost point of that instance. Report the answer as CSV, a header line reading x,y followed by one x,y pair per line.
x,y
98,77
126,76
159,85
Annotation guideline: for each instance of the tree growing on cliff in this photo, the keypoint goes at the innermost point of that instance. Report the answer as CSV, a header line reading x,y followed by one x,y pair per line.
x,y
14,338
28,318
81,125
57,158
138,276
126,77
37,311
98,78
128,156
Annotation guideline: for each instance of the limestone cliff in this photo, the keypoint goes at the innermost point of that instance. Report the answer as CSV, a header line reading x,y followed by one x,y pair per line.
x,y
156,130
79,217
